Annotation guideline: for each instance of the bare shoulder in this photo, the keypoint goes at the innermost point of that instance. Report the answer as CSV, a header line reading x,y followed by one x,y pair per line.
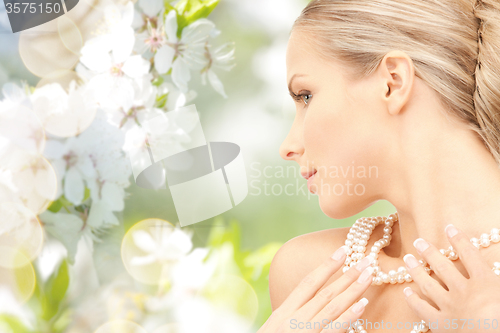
x,y
299,256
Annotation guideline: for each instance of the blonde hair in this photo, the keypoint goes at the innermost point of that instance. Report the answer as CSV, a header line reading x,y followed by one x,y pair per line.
x,y
454,46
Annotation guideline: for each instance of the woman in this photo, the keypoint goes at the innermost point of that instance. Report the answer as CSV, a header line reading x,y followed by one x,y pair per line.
x,y
412,89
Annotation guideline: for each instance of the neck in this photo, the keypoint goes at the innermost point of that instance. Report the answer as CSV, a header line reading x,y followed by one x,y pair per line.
x,y
448,177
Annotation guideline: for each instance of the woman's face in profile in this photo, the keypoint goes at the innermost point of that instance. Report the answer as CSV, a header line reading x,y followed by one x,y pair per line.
x,y
338,130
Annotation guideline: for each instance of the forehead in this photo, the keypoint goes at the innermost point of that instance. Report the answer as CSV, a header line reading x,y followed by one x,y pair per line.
x,y
301,56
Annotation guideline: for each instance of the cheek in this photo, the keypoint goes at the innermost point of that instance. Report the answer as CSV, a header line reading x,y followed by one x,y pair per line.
x,y
331,134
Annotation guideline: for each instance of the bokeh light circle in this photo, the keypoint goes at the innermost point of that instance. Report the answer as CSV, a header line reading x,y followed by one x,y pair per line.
x,y
61,76
120,326
16,273
20,230
152,273
42,50
34,181
24,130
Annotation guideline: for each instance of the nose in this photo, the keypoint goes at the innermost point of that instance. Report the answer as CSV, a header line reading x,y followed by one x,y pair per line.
x,y
292,147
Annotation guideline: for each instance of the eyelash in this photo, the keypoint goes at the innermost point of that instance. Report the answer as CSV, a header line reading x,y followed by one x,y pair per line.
x,y
298,97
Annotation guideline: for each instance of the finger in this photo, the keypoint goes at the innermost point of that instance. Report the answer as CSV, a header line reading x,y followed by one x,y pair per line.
x,y
421,308
442,266
324,296
469,254
342,323
339,304
308,286
428,285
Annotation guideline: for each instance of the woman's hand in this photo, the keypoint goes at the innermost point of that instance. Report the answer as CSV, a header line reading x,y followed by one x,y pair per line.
x,y
330,310
470,304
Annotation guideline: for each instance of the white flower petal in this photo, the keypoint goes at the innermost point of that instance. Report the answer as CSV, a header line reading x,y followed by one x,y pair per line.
x,y
181,74
197,32
123,44
144,241
95,53
151,7
136,66
95,218
54,149
163,59
73,186
216,83
113,195
171,26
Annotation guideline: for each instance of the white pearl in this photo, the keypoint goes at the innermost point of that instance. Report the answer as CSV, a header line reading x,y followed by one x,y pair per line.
x,y
376,269
362,242
375,248
377,243
387,237
401,279
496,264
442,251
392,273
495,238
485,236
485,242
495,231
387,230
344,269
350,236
393,281
348,242
497,271
377,280
365,237
408,277
385,278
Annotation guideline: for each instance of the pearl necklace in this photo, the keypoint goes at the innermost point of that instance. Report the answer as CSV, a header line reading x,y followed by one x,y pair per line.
x,y
358,237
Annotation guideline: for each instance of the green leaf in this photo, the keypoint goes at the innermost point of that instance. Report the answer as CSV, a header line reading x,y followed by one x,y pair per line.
x,y
86,195
161,101
55,206
13,323
55,289
158,81
188,11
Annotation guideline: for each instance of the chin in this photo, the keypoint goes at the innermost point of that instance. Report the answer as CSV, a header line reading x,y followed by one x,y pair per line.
x,y
342,207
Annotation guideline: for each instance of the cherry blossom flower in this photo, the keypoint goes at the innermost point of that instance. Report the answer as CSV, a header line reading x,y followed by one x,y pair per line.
x,y
184,53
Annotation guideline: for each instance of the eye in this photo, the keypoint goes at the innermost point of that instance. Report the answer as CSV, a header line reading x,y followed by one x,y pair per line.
x,y
304,97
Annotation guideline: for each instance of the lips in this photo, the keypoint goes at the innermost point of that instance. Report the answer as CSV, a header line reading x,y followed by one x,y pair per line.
x,y
310,177
308,174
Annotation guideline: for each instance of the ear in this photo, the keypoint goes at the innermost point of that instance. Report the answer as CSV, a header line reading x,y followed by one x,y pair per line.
x,y
398,73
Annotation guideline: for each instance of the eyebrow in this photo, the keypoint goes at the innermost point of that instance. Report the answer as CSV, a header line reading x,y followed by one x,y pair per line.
x,y
291,80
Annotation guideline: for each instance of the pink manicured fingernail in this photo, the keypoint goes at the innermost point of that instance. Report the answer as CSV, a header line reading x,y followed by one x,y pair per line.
x,y
340,253
450,230
408,291
363,263
366,275
410,261
359,306
420,244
